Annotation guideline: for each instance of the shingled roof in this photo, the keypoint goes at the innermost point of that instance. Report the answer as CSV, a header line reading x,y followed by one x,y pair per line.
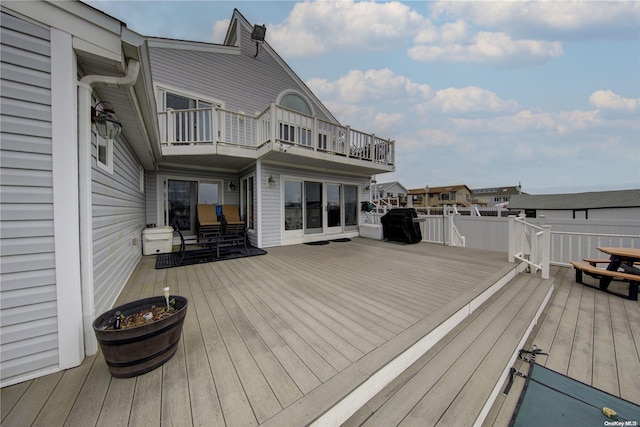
x,y
591,200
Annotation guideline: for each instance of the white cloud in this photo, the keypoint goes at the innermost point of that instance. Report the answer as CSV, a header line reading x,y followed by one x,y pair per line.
x,y
607,100
526,121
545,19
466,100
219,30
490,47
371,85
316,27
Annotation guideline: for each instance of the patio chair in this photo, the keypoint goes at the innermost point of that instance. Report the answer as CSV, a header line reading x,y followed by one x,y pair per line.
x,y
231,216
208,222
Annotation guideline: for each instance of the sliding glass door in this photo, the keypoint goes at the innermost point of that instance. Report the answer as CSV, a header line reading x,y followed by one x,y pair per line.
x,y
180,197
318,208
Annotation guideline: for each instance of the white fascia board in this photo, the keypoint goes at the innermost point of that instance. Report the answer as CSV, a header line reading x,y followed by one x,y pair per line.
x,y
79,20
193,46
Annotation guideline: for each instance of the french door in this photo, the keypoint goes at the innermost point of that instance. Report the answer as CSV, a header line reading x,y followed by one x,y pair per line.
x,y
318,208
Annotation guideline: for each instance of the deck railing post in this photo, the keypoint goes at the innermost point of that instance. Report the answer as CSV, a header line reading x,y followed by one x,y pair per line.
x,y
512,238
274,125
546,250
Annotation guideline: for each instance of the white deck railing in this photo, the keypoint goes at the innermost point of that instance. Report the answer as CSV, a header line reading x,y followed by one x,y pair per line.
x,y
530,244
206,126
573,246
440,229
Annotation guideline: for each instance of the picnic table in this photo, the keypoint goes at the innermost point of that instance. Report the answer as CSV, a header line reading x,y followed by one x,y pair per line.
x,y
619,258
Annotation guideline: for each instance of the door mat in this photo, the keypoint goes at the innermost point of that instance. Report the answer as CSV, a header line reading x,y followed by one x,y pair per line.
x,y
553,399
341,240
200,256
320,242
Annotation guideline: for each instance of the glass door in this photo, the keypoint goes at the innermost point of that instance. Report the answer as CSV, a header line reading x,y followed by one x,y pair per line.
x,y
180,198
313,205
334,207
181,204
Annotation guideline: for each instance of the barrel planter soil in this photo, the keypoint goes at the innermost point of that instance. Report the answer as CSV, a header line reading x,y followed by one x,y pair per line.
x,y
140,349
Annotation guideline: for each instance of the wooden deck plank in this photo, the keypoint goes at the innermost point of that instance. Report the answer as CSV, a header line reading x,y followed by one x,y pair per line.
x,y
604,362
25,410
203,395
626,351
279,380
264,402
438,398
59,404
284,338
235,405
469,403
9,396
116,407
581,356
146,407
293,367
86,409
438,361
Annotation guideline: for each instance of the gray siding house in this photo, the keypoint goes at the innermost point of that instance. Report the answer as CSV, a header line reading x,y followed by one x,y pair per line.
x,y
201,123
618,205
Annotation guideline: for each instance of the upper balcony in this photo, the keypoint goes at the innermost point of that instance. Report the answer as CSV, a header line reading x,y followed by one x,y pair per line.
x,y
215,136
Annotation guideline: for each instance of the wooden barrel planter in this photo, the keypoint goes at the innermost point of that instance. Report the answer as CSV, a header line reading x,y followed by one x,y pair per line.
x,y
137,350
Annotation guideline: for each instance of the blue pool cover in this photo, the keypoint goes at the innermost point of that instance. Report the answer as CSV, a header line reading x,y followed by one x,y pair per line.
x,y
552,399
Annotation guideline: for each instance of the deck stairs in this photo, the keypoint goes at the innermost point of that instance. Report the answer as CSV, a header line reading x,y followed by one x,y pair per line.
x,y
457,380
450,376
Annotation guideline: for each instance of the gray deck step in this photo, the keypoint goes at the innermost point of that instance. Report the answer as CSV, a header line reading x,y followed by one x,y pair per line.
x,y
456,381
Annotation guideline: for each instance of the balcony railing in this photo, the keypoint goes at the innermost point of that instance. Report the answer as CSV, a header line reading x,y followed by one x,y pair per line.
x,y
208,126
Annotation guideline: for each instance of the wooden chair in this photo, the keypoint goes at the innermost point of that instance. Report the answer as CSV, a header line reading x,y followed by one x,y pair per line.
x,y
208,222
234,224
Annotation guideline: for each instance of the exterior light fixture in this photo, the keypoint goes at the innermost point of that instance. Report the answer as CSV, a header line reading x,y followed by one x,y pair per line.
x,y
104,118
232,186
270,181
257,35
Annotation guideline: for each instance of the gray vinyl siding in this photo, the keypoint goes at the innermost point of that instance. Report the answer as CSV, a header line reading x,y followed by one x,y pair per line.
x,y
240,81
28,309
118,209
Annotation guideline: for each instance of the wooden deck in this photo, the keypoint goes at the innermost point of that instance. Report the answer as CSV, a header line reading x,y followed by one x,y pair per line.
x,y
590,335
302,326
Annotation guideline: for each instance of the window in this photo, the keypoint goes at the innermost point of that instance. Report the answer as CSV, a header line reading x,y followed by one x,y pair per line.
x,y
296,102
188,118
104,154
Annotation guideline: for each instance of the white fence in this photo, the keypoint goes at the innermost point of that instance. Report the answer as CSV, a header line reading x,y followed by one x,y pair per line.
x,y
571,239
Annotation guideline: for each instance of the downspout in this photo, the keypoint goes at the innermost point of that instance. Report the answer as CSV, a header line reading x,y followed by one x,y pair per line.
x,y
85,88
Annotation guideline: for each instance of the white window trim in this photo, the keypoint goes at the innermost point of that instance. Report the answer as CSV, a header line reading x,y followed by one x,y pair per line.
x,y
108,165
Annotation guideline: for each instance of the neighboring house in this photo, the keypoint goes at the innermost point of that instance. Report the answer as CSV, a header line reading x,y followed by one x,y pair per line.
x,y
439,196
618,205
201,123
496,196
391,191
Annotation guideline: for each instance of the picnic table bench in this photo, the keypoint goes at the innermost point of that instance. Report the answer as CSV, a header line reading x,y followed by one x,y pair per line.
x,y
600,273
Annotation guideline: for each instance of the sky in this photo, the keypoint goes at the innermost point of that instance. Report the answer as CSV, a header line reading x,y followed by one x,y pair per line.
x,y
482,93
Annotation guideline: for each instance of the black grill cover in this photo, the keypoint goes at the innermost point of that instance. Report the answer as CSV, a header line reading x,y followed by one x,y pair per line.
x,y
398,226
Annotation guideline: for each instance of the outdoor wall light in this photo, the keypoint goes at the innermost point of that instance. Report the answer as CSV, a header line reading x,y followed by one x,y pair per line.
x,y
270,181
104,118
232,186
257,35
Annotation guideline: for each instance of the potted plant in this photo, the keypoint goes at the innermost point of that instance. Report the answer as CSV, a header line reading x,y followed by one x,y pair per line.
x,y
140,336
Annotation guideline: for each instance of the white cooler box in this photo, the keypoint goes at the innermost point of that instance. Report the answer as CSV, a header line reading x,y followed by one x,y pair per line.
x,y
158,240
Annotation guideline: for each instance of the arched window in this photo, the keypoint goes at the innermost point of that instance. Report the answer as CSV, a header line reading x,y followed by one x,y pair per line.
x,y
296,102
